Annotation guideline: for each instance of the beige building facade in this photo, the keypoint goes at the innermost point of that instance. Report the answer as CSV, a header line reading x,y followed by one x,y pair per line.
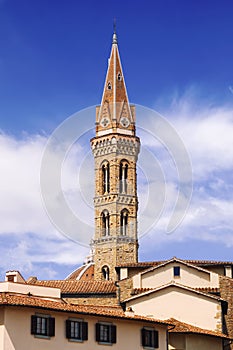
x,y
38,322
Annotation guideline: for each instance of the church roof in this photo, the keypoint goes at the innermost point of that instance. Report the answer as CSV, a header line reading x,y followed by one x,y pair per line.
x,y
83,273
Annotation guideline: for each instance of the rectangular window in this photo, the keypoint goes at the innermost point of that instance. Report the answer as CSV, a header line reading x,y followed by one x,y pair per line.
x,y
176,271
43,325
76,330
105,333
150,338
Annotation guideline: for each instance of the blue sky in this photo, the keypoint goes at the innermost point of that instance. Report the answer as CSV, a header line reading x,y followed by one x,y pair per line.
x,y
177,59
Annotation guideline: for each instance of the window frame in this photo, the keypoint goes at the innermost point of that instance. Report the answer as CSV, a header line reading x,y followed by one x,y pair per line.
x,y
111,337
153,334
83,330
37,329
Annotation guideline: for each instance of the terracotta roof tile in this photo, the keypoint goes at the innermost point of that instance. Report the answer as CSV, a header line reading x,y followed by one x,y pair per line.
x,y
8,299
79,287
208,290
173,284
194,262
181,327
137,291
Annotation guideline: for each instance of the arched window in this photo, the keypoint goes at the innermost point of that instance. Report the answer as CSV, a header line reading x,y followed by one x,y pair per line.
x,y
123,177
105,272
105,178
124,222
105,223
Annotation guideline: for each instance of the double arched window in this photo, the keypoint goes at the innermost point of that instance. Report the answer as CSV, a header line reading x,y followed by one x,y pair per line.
x,y
105,178
105,223
123,176
124,222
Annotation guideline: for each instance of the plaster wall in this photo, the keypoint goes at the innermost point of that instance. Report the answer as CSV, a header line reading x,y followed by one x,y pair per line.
x,y
189,276
18,324
1,328
182,341
180,304
23,288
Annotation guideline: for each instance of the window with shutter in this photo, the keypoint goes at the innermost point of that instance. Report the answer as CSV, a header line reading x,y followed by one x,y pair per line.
x,y
105,333
150,338
43,326
76,330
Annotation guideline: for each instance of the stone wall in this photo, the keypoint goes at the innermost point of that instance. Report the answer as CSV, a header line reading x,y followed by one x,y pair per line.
x,y
226,292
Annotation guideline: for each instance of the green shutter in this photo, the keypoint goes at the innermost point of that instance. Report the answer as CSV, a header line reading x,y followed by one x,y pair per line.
x,y
156,339
97,332
68,329
84,334
143,337
51,329
113,334
33,324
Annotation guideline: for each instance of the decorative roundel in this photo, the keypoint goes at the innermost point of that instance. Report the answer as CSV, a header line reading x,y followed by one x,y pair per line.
x,y
104,122
124,122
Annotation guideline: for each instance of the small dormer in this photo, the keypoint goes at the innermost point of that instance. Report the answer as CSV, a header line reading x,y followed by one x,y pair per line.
x,y
14,276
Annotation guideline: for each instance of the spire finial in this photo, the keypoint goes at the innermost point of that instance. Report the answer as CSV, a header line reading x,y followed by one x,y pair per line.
x,y
114,38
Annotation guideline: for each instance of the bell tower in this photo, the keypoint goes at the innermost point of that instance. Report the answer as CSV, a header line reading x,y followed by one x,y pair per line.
x,y
115,148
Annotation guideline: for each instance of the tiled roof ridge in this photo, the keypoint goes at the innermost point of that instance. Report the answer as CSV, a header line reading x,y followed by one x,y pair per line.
x,y
190,261
73,281
152,268
183,327
208,289
173,284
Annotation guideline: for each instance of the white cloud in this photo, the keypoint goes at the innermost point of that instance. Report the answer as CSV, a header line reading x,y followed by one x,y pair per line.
x,y
32,239
206,131
207,135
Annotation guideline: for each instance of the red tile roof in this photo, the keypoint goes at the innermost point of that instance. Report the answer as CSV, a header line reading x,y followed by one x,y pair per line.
x,y
173,284
79,287
209,290
9,299
137,291
194,262
181,327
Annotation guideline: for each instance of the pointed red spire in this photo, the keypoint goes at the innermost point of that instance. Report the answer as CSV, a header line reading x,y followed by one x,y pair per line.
x,y
115,115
